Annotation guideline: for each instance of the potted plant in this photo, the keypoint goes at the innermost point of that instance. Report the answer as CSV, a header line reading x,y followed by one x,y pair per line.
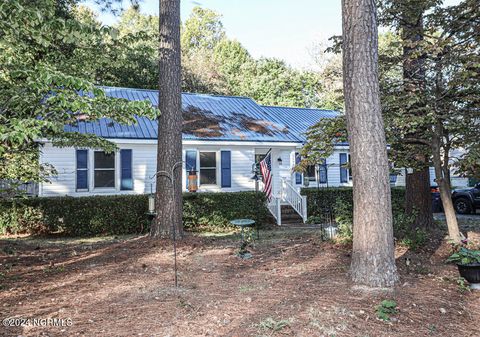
x,y
468,263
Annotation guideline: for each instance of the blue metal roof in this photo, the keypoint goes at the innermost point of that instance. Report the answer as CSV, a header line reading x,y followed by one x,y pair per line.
x,y
211,117
298,120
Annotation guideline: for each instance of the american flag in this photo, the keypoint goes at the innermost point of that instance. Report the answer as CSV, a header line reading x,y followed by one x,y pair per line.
x,y
266,170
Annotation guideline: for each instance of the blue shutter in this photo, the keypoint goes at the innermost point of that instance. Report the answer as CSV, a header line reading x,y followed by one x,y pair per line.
x,y
190,162
298,175
82,169
126,178
226,159
393,178
343,169
323,171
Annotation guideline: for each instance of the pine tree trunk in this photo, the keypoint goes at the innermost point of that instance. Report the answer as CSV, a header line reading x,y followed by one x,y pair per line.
x,y
169,152
373,260
418,199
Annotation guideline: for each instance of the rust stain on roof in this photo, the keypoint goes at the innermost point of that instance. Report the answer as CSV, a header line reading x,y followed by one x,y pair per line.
x,y
205,124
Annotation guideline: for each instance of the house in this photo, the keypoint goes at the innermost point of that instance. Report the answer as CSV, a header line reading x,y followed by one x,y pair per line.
x,y
223,139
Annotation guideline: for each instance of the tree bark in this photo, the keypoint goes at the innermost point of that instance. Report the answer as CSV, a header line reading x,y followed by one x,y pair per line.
x,y
418,199
373,259
442,169
443,182
169,193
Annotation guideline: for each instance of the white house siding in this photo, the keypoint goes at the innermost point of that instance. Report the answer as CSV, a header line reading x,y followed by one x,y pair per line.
x,y
144,167
64,161
242,158
455,180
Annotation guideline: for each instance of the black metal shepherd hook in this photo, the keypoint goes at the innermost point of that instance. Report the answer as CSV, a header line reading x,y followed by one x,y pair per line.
x,y
171,178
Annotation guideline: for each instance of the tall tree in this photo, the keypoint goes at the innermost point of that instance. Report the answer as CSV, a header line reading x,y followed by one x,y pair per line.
x,y
45,53
373,260
418,196
406,16
454,86
450,54
169,153
202,30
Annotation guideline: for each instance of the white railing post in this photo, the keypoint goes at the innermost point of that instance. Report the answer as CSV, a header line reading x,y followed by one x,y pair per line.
x,y
304,208
279,212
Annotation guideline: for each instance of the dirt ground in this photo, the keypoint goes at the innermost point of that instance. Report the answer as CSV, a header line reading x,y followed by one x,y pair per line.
x,y
295,285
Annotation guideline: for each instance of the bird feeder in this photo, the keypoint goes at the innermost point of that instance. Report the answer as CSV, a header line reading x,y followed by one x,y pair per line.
x,y
192,181
151,203
330,232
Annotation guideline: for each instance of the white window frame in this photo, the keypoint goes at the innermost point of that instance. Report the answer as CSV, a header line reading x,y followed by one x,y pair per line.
x,y
208,168
115,168
310,178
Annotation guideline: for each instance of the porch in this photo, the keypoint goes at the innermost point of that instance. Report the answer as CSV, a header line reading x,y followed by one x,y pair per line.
x,y
288,206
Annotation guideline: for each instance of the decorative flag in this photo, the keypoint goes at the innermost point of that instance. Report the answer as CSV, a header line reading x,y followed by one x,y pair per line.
x,y
266,170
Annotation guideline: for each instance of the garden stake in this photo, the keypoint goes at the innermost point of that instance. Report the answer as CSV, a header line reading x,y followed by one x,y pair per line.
x,y
170,177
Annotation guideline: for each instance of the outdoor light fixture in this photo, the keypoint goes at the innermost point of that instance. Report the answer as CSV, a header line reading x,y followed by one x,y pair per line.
x,y
255,172
255,176
280,161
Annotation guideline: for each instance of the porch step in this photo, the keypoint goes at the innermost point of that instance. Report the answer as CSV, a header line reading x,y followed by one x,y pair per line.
x,y
287,209
290,216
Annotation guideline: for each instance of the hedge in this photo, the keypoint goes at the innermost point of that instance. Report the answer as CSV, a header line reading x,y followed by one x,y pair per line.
x,y
123,214
325,204
324,200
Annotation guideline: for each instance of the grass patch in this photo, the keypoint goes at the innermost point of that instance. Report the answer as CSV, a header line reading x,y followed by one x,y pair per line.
x,y
271,325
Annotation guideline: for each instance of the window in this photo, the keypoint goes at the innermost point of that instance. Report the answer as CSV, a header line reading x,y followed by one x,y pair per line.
x,y
104,170
208,168
317,171
258,159
323,171
310,173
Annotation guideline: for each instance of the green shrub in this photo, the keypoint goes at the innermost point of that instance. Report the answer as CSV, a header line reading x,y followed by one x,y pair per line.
x,y
214,211
386,309
413,238
339,202
344,217
122,214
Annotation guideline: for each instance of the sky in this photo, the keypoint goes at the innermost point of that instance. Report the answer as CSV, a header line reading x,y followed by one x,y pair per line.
x,y
285,29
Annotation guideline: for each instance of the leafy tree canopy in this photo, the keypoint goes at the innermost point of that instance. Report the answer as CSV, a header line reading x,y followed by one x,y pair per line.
x,y
46,83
